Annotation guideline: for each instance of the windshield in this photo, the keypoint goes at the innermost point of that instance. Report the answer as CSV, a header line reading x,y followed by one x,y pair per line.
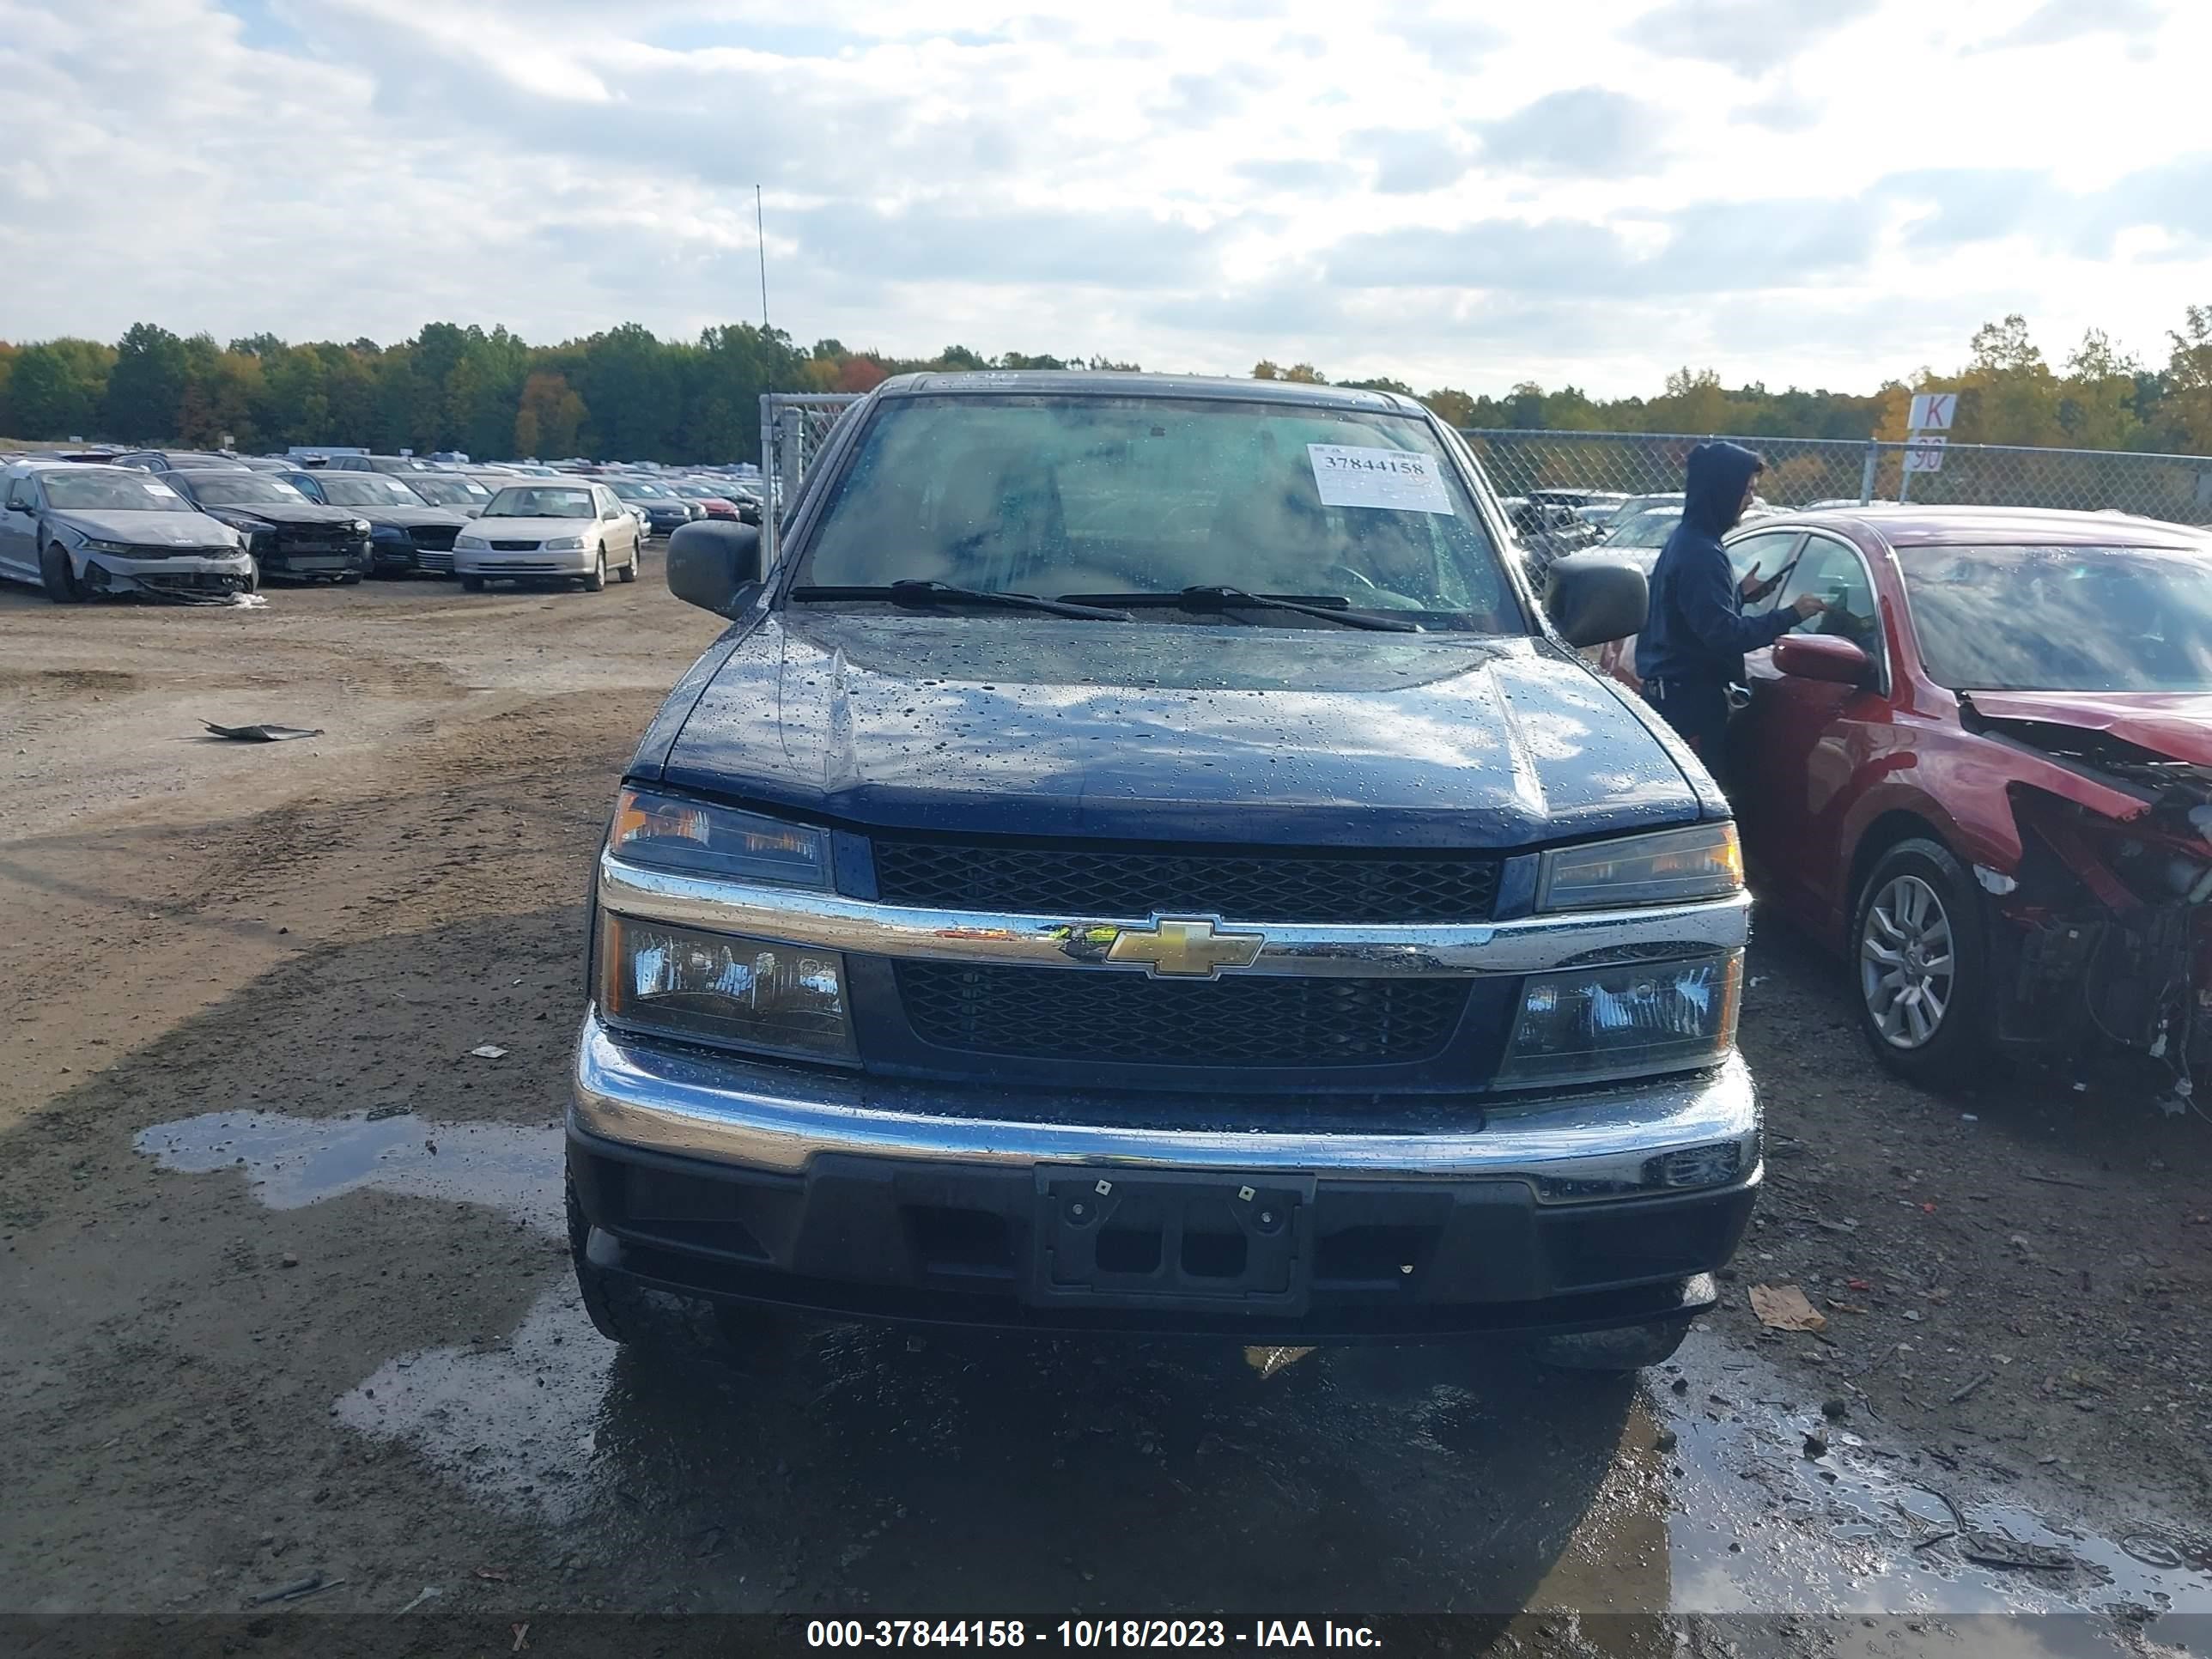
x,y
634,490
535,502
2062,618
449,492
111,492
245,489
1094,495
1648,528
366,489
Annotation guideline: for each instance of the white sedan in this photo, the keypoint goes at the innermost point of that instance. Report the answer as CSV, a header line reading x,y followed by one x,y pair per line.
x,y
537,531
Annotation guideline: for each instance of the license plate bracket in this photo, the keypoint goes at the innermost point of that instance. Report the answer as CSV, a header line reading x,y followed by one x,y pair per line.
x,y
1106,1237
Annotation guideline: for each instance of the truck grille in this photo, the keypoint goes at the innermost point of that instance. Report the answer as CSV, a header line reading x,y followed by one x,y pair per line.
x,y
1053,1013
1082,883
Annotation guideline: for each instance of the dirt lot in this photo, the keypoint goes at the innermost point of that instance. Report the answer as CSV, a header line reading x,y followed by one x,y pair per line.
x,y
281,1295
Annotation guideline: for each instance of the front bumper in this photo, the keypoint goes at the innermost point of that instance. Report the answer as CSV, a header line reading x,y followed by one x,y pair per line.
x,y
854,1196
187,577
537,561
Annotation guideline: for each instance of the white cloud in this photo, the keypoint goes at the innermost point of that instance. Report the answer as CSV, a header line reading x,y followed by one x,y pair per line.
x,y
1589,193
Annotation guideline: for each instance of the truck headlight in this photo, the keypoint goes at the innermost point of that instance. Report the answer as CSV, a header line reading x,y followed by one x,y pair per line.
x,y
1671,867
665,832
712,987
1591,1025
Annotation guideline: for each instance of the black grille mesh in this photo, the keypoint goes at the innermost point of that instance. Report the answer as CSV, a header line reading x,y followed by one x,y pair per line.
x,y
1052,1013
1081,883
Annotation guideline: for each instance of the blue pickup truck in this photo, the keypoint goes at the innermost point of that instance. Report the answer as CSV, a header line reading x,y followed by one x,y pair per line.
x,y
1145,861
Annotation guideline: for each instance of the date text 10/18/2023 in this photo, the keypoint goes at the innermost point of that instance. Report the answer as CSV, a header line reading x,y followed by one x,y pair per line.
x,y
1083,1634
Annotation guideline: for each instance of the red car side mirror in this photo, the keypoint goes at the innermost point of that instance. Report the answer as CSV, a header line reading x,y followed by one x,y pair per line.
x,y
1822,657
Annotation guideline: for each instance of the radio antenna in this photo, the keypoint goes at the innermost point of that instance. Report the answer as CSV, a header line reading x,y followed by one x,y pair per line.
x,y
760,237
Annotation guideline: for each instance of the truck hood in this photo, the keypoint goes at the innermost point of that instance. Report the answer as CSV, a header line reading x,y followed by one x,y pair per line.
x,y
1162,731
2175,724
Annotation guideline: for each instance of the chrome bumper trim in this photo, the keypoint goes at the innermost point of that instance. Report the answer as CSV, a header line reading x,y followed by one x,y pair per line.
x,y
724,1109
834,922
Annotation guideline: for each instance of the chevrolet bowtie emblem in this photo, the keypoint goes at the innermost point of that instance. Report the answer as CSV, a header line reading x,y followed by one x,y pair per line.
x,y
1185,949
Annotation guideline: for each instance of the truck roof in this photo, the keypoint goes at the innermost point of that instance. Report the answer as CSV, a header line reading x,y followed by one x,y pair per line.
x,y
1103,383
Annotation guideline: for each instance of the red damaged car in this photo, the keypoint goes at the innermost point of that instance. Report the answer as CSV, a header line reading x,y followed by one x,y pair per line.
x,y
1984,774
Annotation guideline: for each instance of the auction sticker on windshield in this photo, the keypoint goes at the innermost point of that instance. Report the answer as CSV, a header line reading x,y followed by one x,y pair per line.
x,y
1377,477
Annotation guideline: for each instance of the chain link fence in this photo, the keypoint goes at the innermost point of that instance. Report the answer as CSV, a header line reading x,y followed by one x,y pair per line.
x,y
794,426
1800,472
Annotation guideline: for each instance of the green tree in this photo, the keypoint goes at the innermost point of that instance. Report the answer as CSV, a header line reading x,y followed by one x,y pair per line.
x,y
146,387
1451,406
1693,402
296,407
2097,398
2187,403
56,388
2008,394
550,417
631,386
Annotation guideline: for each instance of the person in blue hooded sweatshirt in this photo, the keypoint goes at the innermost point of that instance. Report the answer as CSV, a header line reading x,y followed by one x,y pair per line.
x,y
1693,641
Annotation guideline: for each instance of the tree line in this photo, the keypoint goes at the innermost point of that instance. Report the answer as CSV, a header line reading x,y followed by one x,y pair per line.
x,y
629,394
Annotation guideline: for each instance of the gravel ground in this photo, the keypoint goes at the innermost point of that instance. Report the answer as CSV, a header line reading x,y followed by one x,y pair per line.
x,y
282,1295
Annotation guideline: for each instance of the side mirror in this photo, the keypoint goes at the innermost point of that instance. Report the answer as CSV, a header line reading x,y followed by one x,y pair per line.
x,y
21,507
715,564
1592,597
1822,657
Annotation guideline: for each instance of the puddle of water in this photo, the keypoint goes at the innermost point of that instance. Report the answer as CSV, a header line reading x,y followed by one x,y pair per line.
x,y
1408,1478
516,1425
292,1161
1759,1525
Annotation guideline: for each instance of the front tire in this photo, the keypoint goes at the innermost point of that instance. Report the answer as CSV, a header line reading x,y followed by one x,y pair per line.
x,y
610,1302
1920,963
629,572
59,575
597,581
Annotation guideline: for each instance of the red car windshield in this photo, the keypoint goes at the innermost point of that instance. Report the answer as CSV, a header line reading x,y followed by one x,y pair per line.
x,y
2063,618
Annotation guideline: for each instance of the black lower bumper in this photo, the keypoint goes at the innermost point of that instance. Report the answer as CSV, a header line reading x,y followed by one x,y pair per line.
x,y
1065,1248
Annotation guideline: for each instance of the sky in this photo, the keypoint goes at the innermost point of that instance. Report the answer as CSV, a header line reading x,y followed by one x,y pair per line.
x,y
1813,192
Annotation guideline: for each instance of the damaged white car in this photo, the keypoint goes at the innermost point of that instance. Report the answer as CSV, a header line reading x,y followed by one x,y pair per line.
x,y
80,530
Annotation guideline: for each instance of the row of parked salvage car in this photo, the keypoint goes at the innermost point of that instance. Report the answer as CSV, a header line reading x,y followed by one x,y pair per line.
x,y
1982,774
208,527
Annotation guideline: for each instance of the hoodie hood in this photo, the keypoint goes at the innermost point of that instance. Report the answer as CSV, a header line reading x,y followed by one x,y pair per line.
x,y
1712,498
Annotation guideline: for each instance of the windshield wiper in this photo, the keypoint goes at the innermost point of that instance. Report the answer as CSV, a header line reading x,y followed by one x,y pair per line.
x,y
914,591
1330,607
